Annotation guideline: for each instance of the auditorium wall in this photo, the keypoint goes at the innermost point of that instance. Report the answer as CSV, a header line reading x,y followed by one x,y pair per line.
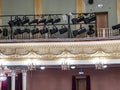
x,y
56,79
60,6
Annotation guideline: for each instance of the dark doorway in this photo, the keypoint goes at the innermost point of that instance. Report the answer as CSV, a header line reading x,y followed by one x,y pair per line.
x,y
81,82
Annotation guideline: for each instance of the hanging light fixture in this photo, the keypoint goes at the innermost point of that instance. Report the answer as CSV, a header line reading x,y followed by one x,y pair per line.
x,y
3,76
99,63
65,65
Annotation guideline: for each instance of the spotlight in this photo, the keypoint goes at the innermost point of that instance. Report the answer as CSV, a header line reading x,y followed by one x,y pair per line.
x,y
42,21
11,23
17,31
86,20
25,20
116,26
50,20
91,30
54,30
80,18
26,30
92,17
77,20
17,21
57,20
74,20
5,32
35,31
64,29
44,30
79,31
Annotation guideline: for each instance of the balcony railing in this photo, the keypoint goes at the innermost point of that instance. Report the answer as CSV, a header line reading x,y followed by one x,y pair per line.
x,y
100,34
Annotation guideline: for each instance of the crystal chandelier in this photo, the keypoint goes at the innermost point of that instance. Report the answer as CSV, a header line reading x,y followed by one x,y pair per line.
x,y
100,63
65,65
3,76
31,66
100,66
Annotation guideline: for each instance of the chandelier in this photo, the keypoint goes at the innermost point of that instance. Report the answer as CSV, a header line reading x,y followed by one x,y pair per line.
x,y
100,66
100,63
31,66
3,76
65,65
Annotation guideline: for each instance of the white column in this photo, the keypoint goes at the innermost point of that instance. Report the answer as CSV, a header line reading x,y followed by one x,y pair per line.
x,y
104,32
24,75
13,80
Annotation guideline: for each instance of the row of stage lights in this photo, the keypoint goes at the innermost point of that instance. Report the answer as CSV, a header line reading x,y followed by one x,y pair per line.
x,y
25,20
18,21
53,30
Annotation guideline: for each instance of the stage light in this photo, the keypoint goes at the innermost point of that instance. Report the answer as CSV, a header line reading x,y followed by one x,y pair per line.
x,y
35,31
17,31
44,30
49,20
25,20
63,29
43,20
92,17
17,21
79,31
54,30
5,32
116,26
74,20
91,30
78,19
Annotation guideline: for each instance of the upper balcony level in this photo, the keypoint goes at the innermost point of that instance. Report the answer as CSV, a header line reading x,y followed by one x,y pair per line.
x,y
56,28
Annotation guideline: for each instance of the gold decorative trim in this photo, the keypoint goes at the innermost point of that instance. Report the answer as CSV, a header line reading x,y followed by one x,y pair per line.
x,y
56,50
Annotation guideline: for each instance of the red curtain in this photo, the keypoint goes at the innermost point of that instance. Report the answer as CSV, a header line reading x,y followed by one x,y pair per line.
x,y
4,85
19,82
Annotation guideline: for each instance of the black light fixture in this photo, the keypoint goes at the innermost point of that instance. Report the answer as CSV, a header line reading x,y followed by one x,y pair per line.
x,y
56,19
91,30
77,19
74,20
26,30
92,17
80,18
35,31
44,30
79,31
5,32
25,20
17,31
43,20
116,27
11,23
54,30
17,21
63,29
49,20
